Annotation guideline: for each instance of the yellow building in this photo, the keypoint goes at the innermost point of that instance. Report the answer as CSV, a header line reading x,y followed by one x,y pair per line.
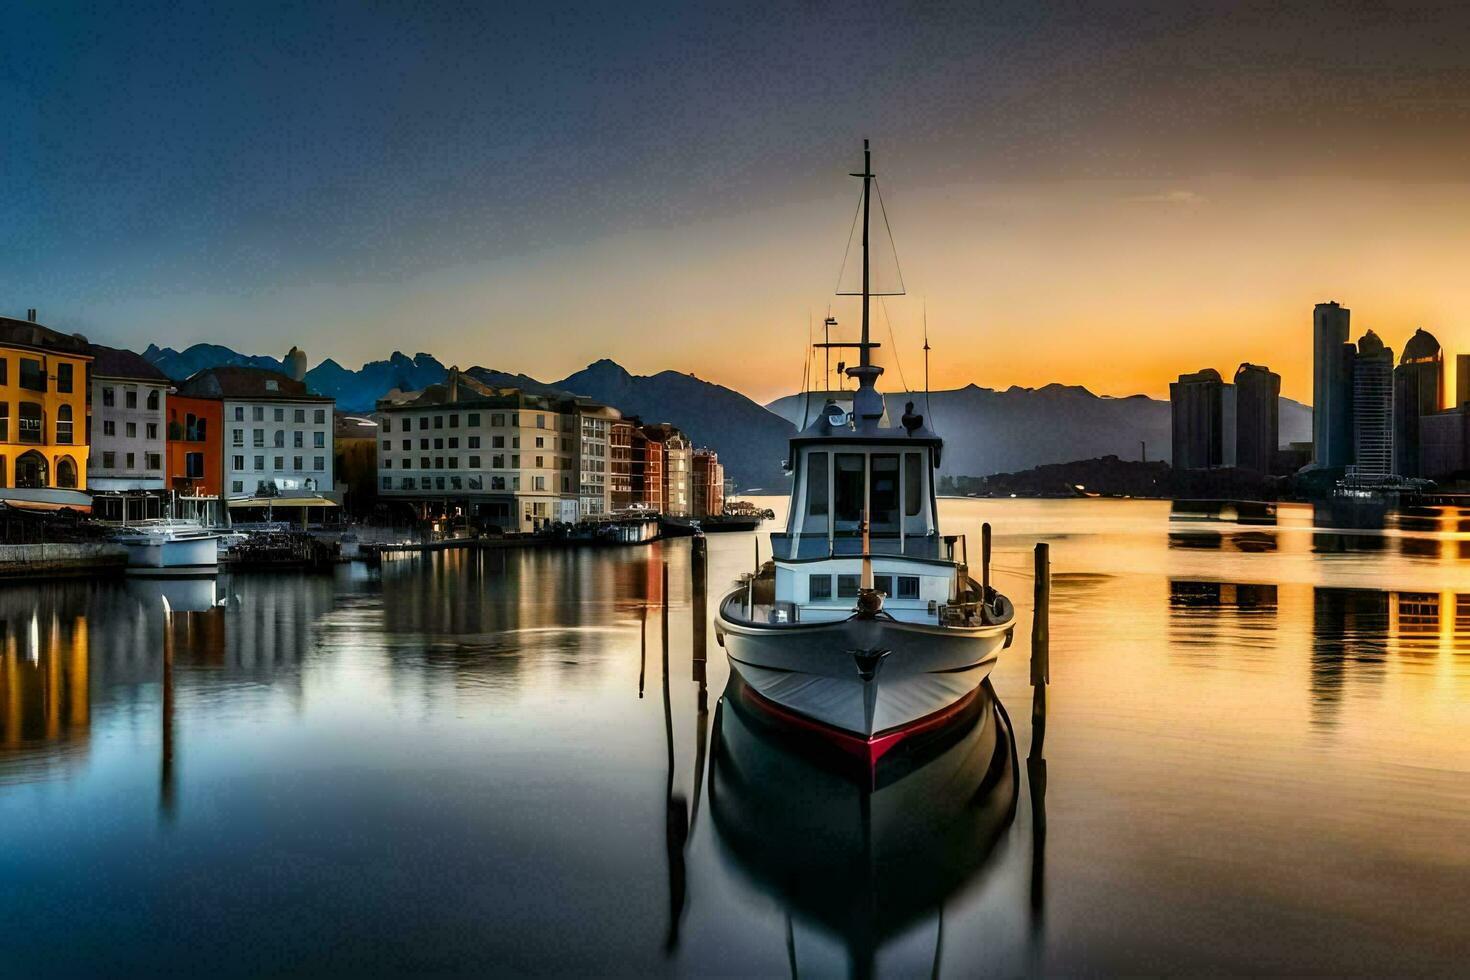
x,y
43,411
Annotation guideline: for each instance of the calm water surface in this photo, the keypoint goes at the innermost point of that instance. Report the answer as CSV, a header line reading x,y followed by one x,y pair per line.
x,y
1256,757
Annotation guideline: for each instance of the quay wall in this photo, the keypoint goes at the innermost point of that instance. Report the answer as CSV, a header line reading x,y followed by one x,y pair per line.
x,y
60,560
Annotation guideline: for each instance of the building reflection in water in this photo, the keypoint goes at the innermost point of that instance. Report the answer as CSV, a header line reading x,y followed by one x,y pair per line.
x,y
45,680
855,857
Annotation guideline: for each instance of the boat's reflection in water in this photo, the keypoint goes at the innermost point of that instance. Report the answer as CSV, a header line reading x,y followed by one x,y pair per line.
x,y
860,856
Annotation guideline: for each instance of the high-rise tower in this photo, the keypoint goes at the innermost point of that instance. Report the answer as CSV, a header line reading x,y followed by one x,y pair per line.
x,y
1373,436
1418,390
1257,416
1332,386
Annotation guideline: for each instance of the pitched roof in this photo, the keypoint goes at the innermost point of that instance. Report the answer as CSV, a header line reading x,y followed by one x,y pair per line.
x,y
24,333
246,384
113,362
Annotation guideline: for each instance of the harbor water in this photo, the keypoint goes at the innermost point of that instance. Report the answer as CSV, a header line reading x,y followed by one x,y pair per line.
x,y
1256,757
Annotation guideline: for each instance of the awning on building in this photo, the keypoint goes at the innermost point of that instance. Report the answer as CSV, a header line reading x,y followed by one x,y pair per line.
x,y
282,502
46,498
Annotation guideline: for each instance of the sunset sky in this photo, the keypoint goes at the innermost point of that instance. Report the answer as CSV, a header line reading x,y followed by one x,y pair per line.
x,y
1105,199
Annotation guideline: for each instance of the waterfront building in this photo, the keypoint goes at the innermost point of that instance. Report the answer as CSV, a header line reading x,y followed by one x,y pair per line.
x,y
706,484
43,415
648,468
676,472
194,456
620,463
594,458
278,447
1197,407
1257,392
1332,381
504,456
1444,444
1418,390
126,434
1462,380
1373,409
355,461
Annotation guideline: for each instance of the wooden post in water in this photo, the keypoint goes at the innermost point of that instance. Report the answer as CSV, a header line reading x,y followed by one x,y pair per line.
x,y
1041,620
166,793
985,562
698,557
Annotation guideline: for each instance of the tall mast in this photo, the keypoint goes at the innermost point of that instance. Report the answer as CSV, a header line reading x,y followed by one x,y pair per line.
x,y
867,198
867,404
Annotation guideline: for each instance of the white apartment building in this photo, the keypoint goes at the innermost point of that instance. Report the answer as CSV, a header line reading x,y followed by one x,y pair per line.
x,y
277,435
594,461
127,432
506,457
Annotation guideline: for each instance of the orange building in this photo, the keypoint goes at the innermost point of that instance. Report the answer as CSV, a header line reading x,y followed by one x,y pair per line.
x,y
195,466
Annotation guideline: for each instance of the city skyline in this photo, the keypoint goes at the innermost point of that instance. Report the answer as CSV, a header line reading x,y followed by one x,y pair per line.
x,y
536,198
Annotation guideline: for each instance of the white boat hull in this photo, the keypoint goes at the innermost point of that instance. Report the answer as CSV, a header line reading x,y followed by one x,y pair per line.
x,y
863,677
181,556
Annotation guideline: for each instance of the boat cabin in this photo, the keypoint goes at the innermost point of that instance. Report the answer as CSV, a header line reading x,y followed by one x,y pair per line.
x,y
843,473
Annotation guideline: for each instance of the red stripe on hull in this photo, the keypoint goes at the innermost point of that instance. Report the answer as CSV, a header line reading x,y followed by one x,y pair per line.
x,y
867,750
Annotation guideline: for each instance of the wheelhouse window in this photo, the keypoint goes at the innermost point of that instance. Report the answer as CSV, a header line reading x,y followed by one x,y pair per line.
x,y
908,586
847,586
884,584
816,486
848,490
913,484
819,587
883,494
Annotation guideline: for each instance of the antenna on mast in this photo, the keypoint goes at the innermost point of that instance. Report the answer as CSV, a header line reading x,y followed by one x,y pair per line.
x,y
927,410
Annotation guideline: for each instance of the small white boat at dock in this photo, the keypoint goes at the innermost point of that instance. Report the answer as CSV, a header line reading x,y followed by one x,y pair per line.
x,y
170,547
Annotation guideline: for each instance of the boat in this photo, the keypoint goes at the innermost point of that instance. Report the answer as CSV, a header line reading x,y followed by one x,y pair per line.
x,y
865,863
865,627
169,547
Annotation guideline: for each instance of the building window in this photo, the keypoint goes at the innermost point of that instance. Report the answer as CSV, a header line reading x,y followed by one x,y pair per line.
x,y
280,462
151,429
387,464
319,463
515,461
153,461
109,460
454,442
194,465
387,423
497,442
438,462
278,438
4,421
407,445
130,397
424,463
237,486
474,442
408,483
540,462
237,462
423,422
540,421
474,462
130,462
131,429
819,587
847,586
32,375
278,414
31,426
153,399
497,462
387,483
438,443
908,586
538,483
299,415
540,443
296,463
298,440
319,440
4,380
64,425
239,437
109,396
63,377
259,462
438,421
454,462
257,413
883,584
454,421
239,413
473,419
423,444
257,438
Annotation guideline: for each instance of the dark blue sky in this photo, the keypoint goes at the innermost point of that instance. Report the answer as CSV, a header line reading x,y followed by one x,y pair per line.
x,y
192,171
